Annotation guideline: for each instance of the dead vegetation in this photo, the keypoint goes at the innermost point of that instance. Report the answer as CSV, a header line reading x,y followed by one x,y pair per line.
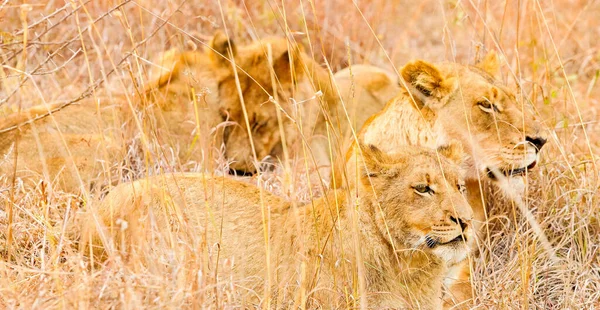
x,y
56,51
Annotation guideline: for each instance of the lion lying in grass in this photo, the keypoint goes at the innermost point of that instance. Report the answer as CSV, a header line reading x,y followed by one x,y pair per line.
x,y
465,103
396,240
195,103
287,99
284,97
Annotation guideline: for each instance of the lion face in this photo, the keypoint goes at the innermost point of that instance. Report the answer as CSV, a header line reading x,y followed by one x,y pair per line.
x,y
499,131
247,104
421,199
269,74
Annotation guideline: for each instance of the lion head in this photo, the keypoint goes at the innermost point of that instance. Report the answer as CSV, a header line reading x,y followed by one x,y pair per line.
x,y
419,200
269,73
246,89
498,129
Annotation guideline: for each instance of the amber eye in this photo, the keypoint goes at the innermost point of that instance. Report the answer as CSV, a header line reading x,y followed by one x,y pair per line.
x,y
423,189
423,90
488,107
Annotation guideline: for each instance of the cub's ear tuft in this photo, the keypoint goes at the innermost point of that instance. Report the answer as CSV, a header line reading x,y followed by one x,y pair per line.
x,y
376,161
221,48
427,84
453,151
490,64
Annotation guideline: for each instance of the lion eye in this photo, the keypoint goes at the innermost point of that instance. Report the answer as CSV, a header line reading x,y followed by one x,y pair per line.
x,y
461,188
423,189
488,107
257,124
423,90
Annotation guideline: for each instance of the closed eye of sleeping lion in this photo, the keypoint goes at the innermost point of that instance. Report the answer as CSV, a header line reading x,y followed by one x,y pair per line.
x,y
465,103
396,240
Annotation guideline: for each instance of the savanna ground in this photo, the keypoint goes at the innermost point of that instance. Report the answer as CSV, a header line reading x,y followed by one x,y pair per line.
x,y
541,252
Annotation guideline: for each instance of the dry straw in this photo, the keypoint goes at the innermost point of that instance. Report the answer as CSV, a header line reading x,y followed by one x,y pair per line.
x,y
542,248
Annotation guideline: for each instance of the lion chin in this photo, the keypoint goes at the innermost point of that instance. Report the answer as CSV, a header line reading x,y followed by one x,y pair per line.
x,y
453,253
452,250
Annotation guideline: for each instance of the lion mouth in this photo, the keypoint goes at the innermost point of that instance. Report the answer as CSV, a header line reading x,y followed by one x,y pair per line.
x,y
458,239
432,242
265,166
241,173
511,172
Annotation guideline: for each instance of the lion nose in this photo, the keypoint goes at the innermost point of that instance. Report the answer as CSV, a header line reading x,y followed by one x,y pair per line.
x,y
458,220
538,142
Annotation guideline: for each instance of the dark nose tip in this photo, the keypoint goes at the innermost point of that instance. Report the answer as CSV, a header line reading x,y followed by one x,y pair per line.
x,y
455,220
537,142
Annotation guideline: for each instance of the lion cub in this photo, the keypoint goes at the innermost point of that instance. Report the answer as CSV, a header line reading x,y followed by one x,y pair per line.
x,y
390,244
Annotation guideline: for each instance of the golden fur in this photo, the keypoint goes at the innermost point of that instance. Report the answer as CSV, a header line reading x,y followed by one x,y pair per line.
x,y
365,90
410,228
68,148
465,103
81,144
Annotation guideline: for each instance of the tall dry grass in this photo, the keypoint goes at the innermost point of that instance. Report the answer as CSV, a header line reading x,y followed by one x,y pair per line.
x,y
56,50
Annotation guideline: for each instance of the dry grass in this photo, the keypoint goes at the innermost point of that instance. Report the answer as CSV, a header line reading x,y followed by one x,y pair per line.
x,y
550,51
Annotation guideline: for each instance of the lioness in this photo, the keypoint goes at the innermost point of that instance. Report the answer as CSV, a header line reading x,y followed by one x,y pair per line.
x,y
452,101
408,224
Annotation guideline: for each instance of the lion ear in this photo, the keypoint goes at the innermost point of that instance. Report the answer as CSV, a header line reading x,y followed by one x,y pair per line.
x,y
376,162
427,85
221,48
169,63
490,64
288,64
453,151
